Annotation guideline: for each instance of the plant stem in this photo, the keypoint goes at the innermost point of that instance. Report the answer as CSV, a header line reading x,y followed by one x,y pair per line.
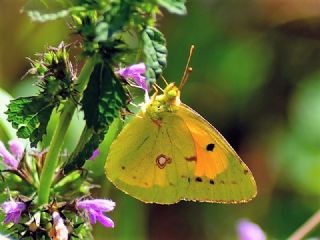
x,y
51,160
307,227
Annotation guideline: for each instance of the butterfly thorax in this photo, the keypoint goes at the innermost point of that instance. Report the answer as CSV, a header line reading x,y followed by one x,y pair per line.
x,y
166,102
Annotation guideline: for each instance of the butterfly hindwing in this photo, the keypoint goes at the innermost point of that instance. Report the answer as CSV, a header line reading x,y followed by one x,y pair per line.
x,y
150,165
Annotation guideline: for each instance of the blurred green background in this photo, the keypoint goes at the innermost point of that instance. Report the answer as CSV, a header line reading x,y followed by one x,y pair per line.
x,y
256,77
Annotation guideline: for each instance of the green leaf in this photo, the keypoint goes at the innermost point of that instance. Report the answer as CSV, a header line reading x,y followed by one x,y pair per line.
x,y
155,52
102,101
174,6
47,10
30,115
78,158
44,17
103,98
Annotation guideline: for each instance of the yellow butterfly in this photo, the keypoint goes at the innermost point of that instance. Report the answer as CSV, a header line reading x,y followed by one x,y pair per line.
x,y
168,153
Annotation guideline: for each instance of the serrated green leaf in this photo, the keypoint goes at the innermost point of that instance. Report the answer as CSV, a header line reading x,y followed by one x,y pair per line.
x,y
155,52
30,116
77,160
47,10
44,17
102,101
103,98
174,6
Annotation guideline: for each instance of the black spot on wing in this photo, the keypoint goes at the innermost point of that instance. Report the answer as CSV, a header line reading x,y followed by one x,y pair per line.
x,y
210,147
198,179
211,182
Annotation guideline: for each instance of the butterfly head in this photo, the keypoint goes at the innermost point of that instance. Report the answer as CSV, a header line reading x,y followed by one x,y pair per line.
x,y
170,99
166,102
171,94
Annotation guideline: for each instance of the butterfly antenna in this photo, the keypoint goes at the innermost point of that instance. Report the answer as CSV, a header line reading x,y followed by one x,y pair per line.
x,y
156,85
187,70
155,89
165,81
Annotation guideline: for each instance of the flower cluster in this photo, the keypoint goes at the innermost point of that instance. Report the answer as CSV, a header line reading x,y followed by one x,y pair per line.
x,y
23,211
48,193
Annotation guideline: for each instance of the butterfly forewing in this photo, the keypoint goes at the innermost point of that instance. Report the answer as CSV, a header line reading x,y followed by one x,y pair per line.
x,y
229,180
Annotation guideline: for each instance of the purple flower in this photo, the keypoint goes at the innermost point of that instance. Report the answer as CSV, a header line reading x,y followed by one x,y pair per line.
x,y
59,231
95,209
16,148
135,72
12,158
249,231
95,154
13,211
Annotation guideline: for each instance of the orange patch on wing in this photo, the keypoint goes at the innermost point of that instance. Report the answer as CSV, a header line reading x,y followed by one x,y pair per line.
x,y
209,163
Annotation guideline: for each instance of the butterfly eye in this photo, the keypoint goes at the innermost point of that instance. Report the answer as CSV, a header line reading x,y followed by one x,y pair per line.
x,y
172,93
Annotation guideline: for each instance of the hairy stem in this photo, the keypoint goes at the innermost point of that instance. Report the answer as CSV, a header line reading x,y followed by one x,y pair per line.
x,y
307,227
51,160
